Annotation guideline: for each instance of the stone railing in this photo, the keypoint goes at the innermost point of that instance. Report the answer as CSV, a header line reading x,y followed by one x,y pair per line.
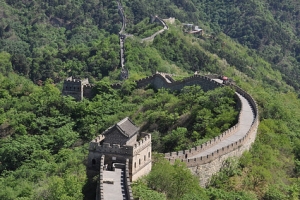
x,y
100,193
115,148
183,155
234,149
216,154
127,181
141,144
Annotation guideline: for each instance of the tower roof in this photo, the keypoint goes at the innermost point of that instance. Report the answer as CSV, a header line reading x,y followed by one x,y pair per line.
x,y
125,126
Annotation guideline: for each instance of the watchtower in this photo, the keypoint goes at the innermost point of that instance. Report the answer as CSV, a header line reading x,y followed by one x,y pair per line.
x,y
124,74
120,142
77,88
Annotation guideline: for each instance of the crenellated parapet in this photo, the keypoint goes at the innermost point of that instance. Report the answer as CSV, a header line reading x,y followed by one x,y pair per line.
x,y
72,80
98,139
184,154
198,149
142,144
192,162
208,158
100,189
106,148
77,88
158,81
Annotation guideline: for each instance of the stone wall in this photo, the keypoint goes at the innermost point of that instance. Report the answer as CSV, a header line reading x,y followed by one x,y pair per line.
x,y
206,170
121,12
126,178
139,155
73,88
77,88
88,91
99,192
204,167
141,161
220,152
151,38
184,154
170,20
127,181
158,82
97,149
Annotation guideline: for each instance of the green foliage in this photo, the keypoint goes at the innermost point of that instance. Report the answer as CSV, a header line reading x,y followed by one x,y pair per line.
x,y
141,191
40,130
144,28
185,119
176,181
5,64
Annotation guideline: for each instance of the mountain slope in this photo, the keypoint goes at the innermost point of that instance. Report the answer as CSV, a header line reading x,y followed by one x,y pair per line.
x,y
43,135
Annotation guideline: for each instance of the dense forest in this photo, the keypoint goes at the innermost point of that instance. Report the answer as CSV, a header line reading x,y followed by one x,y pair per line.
x,y
44,136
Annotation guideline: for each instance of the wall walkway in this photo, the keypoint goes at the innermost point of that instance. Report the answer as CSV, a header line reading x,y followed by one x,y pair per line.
x,y
114,184
151,38
208,158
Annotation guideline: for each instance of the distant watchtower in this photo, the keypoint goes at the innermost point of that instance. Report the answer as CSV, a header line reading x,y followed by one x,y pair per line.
x,y
77,88
118,143
124,74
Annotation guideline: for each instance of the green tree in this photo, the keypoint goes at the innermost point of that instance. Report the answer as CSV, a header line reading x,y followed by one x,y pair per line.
x,y
5,63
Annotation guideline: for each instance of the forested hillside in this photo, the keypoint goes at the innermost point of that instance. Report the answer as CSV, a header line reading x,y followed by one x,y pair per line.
x,y
44,136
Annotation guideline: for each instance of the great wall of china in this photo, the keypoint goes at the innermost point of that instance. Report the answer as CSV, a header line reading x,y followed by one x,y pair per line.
x,y
122,35
204,160
151,38
208,158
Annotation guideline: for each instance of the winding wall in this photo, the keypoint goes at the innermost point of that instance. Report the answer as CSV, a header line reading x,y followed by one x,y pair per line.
x,y
122,35
151,38
208,158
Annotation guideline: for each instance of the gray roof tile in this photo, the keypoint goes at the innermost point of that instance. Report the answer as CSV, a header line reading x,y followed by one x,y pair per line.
x,y
127,127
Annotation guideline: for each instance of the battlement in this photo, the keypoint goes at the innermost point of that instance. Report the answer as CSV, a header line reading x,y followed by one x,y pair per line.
x,y
142,144
108,148
71,80
163,73
198,149
88,86
98,139
192,162
100,189
235,148
159,81
77,88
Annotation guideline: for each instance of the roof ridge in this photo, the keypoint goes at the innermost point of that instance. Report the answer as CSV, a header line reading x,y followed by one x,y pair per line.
x,y
124,120
122,131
